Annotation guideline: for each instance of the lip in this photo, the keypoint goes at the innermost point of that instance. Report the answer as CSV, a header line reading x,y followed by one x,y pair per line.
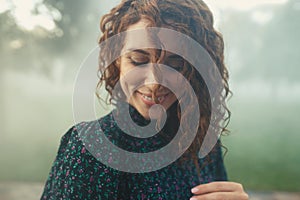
x,y
150,102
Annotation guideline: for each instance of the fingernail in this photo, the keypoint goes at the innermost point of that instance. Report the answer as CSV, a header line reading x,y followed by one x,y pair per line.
x,y
194,190
193,198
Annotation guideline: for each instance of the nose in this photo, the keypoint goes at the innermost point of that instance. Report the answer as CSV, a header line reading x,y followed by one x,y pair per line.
x,y
153,75
153,80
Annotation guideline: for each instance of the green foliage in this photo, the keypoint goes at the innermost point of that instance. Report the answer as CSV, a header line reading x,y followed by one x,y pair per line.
x,y
264,145
267,51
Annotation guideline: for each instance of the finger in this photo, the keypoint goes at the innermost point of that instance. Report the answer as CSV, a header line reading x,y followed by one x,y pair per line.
x,y
217,187
221,196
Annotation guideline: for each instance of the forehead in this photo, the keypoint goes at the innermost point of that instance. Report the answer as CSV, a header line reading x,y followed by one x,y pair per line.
x,y
142,35
139,37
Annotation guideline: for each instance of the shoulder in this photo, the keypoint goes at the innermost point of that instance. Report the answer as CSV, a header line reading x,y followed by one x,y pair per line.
x,y
81,129
76,173
73,141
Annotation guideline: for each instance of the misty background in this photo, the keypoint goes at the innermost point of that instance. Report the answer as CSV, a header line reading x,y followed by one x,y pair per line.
x,y
43,43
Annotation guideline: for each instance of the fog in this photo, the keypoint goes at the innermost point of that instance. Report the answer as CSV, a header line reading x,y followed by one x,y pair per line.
x,y
42,48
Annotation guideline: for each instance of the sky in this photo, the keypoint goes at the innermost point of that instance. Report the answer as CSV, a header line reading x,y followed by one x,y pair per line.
x,y
26,19
241,4
259,16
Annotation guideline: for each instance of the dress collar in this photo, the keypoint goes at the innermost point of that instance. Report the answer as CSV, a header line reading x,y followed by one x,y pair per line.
x,y
134,144
123,107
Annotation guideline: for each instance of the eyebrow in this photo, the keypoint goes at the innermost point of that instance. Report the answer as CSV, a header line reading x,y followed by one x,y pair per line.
x,y
138,51
174,56
132,50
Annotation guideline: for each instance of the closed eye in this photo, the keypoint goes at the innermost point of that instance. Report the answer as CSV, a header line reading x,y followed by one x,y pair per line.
x,y
138,58
138,62
175,62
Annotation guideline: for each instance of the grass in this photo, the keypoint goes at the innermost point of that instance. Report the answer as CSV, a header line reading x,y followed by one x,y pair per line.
x,y
264,145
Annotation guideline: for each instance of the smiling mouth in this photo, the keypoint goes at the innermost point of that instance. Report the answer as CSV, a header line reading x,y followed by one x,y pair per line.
x,y
147,98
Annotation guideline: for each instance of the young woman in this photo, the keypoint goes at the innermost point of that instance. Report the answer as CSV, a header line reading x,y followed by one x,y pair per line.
x,y
149,81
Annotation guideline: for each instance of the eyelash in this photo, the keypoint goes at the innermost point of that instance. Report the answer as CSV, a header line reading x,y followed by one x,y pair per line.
x,y
132,61
180,68
177,67
137,63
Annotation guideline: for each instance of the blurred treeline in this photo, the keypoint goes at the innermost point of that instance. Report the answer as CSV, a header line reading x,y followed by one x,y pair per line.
x,y
38,68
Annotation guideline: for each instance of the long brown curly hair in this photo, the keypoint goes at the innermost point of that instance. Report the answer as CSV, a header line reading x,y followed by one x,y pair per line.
x,y
190,17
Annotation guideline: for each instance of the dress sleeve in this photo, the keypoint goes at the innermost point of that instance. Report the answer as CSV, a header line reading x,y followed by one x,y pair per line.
x,y
215,164
220,171
54,187
76,174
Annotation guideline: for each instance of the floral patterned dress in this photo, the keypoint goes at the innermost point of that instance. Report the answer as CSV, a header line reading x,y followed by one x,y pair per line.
x,y
78,174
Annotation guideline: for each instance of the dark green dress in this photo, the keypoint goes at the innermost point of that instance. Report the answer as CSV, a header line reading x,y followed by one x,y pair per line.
x,y
77,174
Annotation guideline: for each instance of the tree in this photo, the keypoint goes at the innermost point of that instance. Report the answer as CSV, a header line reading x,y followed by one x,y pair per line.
x,y
39,49
267,51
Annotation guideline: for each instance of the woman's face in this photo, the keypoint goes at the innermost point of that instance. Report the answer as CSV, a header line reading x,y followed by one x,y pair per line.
x,y
139,79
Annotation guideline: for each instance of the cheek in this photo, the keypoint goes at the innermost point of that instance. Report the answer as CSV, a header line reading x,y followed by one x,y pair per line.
x,y
125,77
130,80
134,77
122,67
175,82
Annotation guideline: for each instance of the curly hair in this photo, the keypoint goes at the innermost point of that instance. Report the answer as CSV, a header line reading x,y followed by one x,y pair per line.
x,y
190,17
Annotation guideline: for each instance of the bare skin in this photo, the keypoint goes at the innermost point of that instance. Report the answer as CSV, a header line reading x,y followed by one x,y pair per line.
x,y
219,191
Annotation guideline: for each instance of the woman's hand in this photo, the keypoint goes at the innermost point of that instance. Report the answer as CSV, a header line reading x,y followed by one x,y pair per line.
x,y
219,190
